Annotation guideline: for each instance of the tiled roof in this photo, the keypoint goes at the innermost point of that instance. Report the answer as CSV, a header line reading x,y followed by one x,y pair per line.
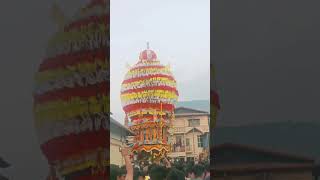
x,y
184,110
113,121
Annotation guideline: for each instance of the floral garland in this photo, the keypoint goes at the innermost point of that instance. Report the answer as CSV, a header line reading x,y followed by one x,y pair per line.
x,y
87,37
91,41
82,123
149,148
147,125
161,95
148,82
90,18
147,107
78,34
61,110
77,163
63,60
145,64
89,15
148,95
71,94
67,93
73,80
150,77
59,73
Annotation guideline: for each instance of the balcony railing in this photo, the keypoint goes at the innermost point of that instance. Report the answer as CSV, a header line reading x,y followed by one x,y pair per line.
x,y
177,148
203,128
188,148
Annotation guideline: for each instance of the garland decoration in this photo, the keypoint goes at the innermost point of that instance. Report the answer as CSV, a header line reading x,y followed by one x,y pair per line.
x,y
71,95
148,96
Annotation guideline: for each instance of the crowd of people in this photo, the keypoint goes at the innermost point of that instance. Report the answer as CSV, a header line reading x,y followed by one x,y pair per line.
x,y
164,170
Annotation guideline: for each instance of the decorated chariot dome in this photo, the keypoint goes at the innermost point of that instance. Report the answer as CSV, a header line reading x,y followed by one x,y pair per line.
x,y
148,55
148,96
71,95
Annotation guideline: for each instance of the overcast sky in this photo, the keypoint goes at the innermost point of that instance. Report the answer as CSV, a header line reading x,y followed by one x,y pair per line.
x,y
178,31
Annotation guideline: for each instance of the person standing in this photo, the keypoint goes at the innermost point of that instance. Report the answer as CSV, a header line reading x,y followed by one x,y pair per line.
x,y
198,172
129,168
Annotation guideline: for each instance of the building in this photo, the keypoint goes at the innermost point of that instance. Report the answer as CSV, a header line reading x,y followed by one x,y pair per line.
x,y
242,162
191,134
118,134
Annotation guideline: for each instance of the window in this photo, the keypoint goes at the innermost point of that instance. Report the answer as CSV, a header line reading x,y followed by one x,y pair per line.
x,y
190,159
194,122
187,142
179,140
200,141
